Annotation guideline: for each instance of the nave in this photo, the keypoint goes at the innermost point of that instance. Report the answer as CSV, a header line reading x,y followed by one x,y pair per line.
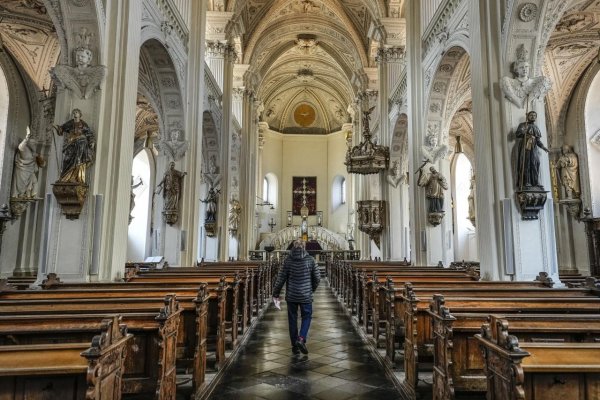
x,y
338,366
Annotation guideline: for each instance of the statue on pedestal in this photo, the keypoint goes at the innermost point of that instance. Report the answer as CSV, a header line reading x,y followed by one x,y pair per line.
x,y
568,168
24,182
78,149
235,214
435,184
24,187
132,197
471,200
170,186
79,146
528,158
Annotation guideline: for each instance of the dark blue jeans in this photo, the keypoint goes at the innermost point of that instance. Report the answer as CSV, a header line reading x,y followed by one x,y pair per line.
x,y
305,313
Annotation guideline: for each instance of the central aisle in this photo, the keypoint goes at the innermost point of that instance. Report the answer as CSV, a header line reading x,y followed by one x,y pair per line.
x,y
338,366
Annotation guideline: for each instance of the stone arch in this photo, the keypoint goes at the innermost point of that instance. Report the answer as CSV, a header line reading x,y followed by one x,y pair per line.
x,y
450,88
160,83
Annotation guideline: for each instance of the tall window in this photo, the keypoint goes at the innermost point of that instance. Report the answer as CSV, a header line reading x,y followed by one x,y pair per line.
x,y
265,195
269,192
343,191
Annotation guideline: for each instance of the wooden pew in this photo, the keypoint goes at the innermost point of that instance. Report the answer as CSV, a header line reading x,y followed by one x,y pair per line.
x,y
458,362
203,319
393,313
418,342
150,366
70,371
527,371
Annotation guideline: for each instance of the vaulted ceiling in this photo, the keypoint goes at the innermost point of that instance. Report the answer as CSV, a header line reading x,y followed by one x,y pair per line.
x,y
28,33
309,56
572,47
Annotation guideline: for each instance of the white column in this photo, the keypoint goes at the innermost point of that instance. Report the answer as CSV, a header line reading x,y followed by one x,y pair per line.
x,y
190,204
247,179
226,131
505,241
115,151
416,129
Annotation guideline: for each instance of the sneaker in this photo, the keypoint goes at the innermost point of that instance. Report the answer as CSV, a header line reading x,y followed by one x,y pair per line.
x,y
302,346
295,350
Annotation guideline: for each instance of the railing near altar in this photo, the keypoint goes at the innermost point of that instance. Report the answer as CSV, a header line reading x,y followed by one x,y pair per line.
x,y
328,240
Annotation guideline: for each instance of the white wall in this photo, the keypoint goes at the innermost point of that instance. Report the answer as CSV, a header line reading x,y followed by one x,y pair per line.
x,y
287,156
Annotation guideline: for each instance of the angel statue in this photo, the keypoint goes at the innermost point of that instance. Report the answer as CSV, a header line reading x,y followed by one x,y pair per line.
x,y
176,147
431,151
83,79
520,88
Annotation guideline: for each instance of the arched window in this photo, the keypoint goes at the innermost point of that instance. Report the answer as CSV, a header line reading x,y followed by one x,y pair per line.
x,y
338,192
265,190
269,193
140,206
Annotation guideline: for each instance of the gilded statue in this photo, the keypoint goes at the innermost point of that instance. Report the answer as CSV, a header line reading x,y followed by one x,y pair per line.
x,y
78,149
568,169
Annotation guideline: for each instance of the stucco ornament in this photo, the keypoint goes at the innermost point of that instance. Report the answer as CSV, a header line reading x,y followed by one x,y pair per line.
x,y
431,151
521,88
176,147
528,12
83,79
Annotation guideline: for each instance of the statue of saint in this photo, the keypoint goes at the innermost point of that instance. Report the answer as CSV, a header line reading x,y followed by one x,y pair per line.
x,y
528,159
520,88
24,181
170,186
435,184
211,201
471,200
78,150
235,213
212,165
568,168
132,197
352,111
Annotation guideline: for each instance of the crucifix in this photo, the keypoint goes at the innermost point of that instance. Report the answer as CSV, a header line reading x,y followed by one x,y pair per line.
x,y
304,191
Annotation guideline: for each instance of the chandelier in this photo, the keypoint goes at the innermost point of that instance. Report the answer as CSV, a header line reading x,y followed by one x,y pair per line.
x,y
367,157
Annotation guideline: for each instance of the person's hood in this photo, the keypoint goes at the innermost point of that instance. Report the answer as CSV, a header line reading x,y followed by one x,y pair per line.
x,y
298,253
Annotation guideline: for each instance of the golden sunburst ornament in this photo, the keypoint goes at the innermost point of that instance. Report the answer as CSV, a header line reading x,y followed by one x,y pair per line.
x,y
305,115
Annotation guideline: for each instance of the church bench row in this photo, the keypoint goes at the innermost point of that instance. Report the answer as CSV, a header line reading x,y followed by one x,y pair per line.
x,y
390,303
419,337
150,367
458,362
201,317
517,370
69,371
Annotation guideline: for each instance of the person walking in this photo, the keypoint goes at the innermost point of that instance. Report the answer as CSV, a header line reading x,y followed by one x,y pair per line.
x,y
301,276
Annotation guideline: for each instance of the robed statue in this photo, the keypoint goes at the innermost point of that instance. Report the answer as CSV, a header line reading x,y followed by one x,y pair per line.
x,y
528,158
27,163
170,186
78,149
434,184
568,168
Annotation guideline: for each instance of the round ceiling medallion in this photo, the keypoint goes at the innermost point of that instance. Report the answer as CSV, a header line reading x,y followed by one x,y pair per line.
x,y
304,115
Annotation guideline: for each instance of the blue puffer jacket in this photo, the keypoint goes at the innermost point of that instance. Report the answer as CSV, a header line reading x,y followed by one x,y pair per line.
x,y
302,276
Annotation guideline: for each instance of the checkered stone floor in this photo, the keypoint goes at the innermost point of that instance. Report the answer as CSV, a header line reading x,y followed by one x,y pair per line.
x,y
338,366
